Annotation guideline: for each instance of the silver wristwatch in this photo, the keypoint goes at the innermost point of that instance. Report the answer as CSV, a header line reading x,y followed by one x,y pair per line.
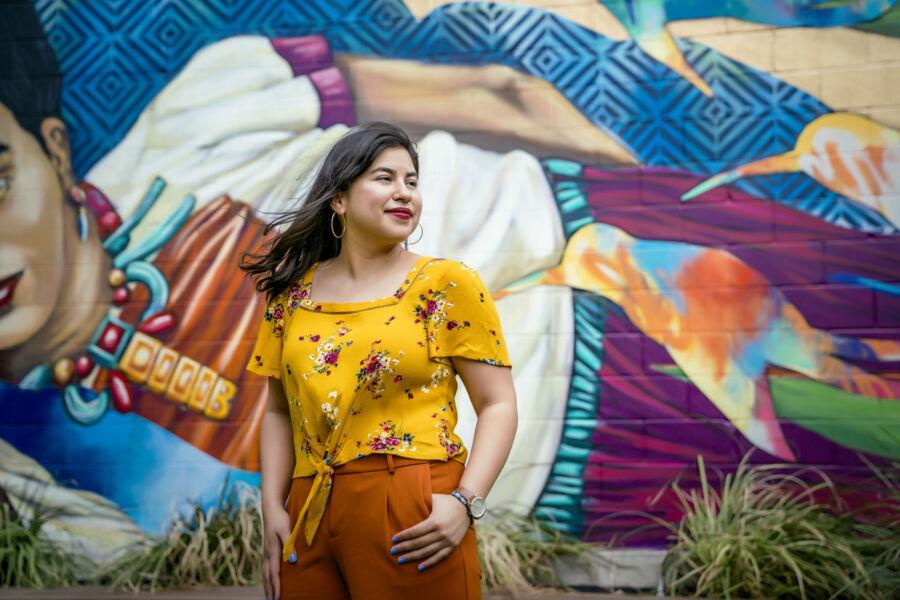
x,y
475,505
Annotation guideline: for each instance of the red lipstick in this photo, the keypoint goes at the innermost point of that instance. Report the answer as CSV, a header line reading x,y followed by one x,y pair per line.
x,y
8,288
403,213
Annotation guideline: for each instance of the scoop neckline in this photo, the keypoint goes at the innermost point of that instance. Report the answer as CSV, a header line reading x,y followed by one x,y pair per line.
x,y
313,305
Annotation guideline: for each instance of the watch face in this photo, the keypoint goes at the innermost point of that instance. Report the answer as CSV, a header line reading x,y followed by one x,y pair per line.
x,y
477,507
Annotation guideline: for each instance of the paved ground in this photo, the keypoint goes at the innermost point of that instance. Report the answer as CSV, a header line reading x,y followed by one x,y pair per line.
x,y
238,593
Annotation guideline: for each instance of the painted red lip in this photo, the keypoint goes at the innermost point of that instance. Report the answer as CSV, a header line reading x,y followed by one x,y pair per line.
x,y
401,212
8,287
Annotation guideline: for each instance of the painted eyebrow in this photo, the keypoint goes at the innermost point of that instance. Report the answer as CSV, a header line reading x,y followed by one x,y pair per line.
x,y
3,148
390,171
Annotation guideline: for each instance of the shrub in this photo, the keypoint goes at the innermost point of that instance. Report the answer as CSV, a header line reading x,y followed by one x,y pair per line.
x,y
765,534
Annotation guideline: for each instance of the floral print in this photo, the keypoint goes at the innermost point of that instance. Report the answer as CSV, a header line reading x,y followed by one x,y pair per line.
x,y
275,316
330,410
389,438
328,352
284,305
432,307
374,368
440,373
448,442
377,377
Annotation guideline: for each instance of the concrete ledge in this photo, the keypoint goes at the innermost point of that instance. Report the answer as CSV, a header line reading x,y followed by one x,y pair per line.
x,y
613,570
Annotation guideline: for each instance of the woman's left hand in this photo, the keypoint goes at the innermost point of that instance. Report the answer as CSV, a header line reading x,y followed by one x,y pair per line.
x,y
434,538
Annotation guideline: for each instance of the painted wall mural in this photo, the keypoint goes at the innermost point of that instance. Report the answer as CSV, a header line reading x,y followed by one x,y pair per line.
x,y
692,240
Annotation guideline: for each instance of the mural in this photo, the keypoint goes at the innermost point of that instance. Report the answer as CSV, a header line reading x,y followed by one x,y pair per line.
x,y
690,254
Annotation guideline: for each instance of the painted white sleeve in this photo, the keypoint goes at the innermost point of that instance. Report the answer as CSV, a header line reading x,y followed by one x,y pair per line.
x,y
496,213
234,121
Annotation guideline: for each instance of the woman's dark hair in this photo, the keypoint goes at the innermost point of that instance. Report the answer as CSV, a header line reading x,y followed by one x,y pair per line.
x,y
30,80
308,238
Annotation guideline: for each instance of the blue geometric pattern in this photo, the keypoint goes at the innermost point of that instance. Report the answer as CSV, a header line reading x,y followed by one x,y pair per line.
x,y
116,56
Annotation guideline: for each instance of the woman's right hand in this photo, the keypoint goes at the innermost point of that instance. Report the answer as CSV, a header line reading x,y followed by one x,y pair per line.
x,y
276,529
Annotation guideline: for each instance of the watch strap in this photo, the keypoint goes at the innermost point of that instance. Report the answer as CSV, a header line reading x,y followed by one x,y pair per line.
x,y
456,494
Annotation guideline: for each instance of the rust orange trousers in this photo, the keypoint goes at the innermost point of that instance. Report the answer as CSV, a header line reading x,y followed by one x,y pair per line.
x,y
372,498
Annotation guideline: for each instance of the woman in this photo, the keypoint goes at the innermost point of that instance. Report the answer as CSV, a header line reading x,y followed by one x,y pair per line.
x,y
361,392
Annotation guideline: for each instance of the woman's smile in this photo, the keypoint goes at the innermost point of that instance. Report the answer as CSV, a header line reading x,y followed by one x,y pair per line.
x,y
401,213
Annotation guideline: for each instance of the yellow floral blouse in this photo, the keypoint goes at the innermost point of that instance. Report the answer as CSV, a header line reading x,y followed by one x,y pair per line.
x,y
375,377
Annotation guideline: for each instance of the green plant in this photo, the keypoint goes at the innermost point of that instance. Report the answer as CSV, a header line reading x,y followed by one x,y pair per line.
x,y
876,531
221,546
28,558
765,534
518,553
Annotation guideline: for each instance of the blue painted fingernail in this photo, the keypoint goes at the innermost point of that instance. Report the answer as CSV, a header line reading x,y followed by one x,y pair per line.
x,y
421,567
401,560
394,539
293,558
393,551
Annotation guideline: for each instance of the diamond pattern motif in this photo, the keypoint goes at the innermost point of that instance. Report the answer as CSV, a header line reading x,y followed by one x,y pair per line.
x,y
117,55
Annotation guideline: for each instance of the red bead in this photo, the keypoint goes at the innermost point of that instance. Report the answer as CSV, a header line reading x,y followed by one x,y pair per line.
x,y
83,366
110,338
121,295
158,322
120,392
107,223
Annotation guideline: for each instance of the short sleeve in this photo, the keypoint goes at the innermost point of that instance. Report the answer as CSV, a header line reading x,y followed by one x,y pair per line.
x,y
266,356
461,318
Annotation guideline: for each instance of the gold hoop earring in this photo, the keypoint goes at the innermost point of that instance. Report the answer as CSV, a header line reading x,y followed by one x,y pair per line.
x,y
408,243
343,231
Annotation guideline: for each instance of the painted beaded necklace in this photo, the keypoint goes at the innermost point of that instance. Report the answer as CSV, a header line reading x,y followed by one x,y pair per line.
x,y
128,353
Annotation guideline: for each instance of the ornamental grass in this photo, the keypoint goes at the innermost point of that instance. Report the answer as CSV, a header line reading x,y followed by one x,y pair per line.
x,y
766,533
518,553
219,546
28,558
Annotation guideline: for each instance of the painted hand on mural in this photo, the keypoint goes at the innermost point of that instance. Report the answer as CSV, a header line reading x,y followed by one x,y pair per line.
x,y
494,107
721,322
849,154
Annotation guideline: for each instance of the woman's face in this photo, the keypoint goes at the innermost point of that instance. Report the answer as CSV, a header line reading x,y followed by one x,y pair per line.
x,y
383,204
32,256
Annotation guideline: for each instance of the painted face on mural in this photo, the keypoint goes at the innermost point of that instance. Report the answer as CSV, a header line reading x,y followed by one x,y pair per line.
x,y
32,256
383,204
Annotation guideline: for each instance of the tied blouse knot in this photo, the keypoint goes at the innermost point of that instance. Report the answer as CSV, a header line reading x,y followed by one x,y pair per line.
x,y
375,377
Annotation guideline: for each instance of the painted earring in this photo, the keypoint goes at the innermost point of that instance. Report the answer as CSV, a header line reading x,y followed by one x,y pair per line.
x,y
343,230
79,199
